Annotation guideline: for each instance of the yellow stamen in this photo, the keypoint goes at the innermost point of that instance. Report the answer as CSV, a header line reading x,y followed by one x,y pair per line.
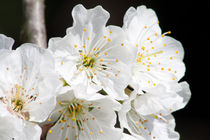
x,y
152,54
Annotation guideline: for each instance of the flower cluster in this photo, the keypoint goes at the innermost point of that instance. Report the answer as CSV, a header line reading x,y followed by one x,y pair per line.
x,y
94,82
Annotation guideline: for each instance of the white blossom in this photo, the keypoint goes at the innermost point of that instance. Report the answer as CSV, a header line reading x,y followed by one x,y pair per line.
x,y
149,116
77,118
158,57
27,87
92,54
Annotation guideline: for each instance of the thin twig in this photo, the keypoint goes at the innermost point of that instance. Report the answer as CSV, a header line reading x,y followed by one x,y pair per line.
x,y
34,30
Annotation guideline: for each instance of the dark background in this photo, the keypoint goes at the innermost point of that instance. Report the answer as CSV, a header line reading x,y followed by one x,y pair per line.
x,y
188,21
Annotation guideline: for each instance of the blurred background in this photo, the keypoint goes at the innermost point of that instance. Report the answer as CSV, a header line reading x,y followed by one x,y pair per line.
x,y
187,20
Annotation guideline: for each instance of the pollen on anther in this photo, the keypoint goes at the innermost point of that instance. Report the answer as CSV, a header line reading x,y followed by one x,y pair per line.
x,y
101,131
109,40
91,133
50,131
84,29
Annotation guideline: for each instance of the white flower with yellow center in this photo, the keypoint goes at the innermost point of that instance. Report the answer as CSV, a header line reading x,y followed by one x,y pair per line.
x,y
158,57
92,54
84,119
149,116
27,87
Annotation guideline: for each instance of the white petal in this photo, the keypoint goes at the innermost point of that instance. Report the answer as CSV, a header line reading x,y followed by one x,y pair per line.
x,y
41,77
129,137
126,106
11,126
153,126
139,21
159,100
6,42
95,18
31,131
10,71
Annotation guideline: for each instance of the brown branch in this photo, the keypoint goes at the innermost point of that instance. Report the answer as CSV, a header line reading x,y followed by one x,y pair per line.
x,y
34,30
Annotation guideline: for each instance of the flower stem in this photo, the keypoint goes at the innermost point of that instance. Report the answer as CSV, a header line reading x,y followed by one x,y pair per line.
x,y
34,30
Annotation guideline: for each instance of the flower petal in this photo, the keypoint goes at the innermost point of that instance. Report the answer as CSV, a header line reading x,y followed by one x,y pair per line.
x,y
11,126
95,18
6,42
31,131
139,21
159,100
38,67
153,126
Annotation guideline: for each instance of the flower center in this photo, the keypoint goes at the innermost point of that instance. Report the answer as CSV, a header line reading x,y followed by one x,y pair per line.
x,y
17,98
17,105
74,112
88,61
